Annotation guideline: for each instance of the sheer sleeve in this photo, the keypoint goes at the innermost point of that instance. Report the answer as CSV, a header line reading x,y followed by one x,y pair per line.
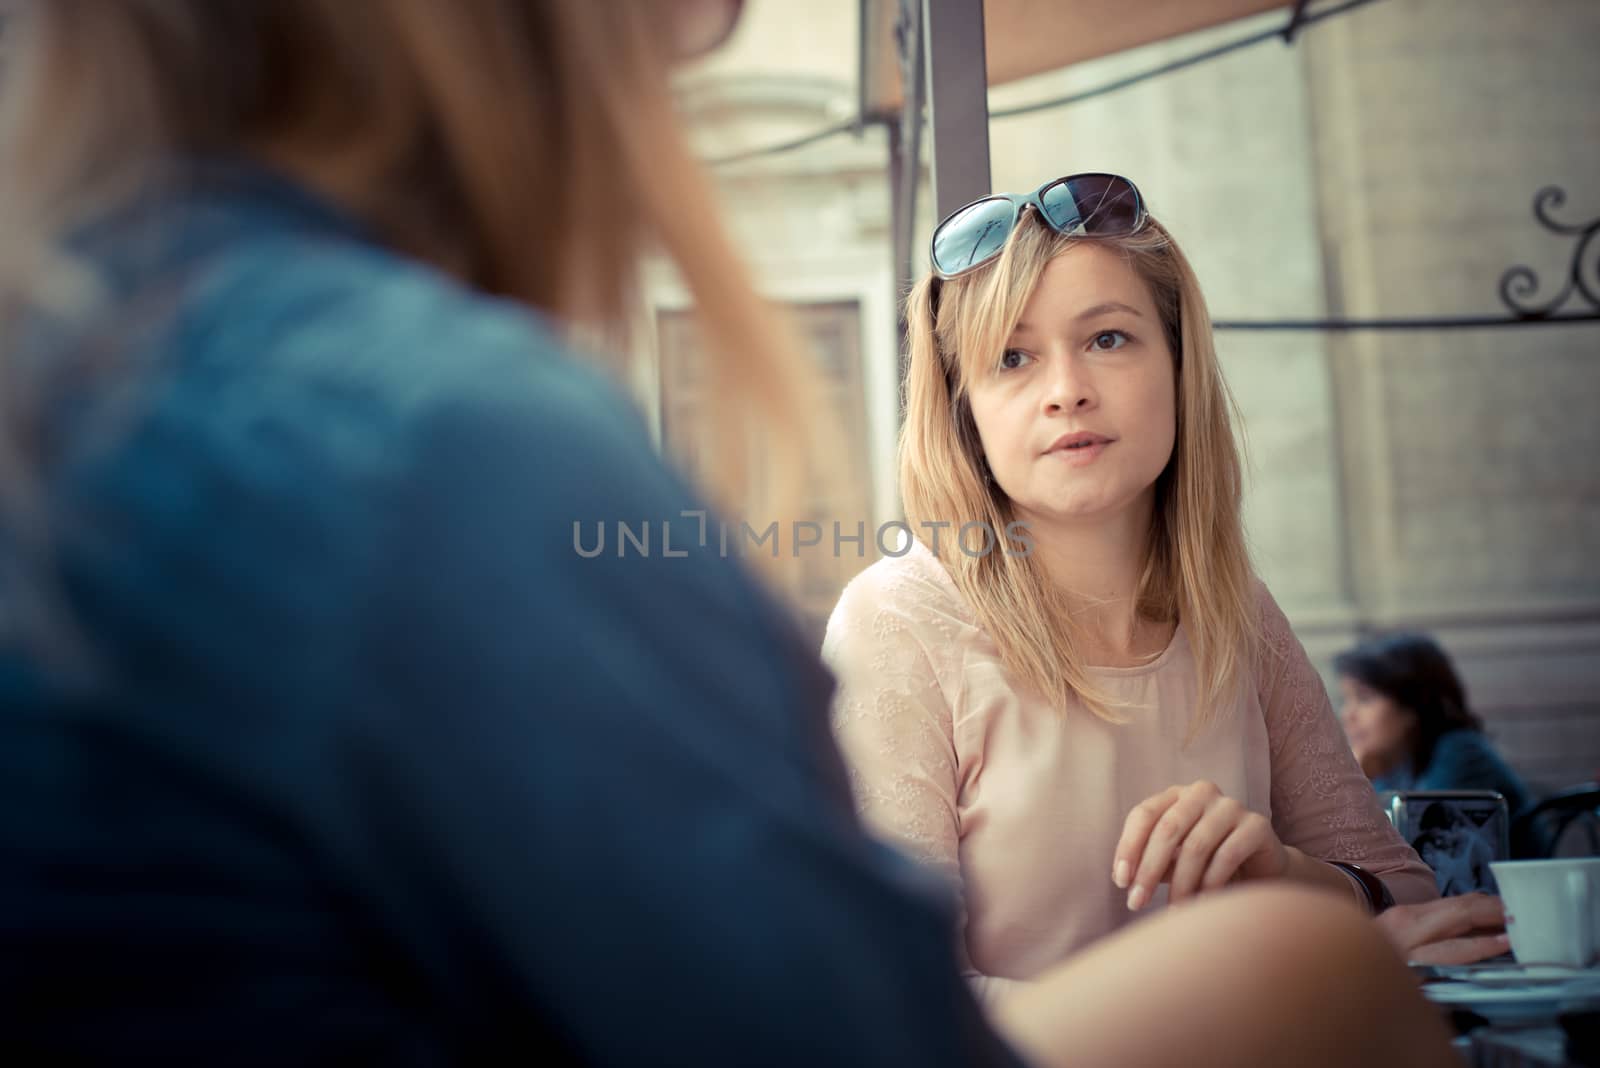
x,y
887,642
1321,802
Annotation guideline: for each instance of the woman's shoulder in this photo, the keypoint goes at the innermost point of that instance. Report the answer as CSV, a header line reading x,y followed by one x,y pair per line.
x,y
342,317
1274,636
1268,613
394,380
298,346
906,594
1465,759
249,294
315,396
1462,740
1466,751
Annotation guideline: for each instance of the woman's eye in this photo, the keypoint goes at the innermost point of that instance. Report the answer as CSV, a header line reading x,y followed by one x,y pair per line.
x,y
1109,340
1011,359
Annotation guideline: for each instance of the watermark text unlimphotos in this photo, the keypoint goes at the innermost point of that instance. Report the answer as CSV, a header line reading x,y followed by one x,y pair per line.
x,y
673,540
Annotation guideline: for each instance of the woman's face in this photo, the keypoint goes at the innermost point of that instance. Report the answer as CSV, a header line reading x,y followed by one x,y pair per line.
x,y
1379,730
1078,417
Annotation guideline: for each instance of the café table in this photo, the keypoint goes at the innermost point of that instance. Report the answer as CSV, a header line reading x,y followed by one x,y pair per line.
x,y
1549,1025
1523,1047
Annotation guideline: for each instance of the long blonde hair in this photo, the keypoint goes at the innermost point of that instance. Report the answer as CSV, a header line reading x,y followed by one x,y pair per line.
x,y
527,147
1196,566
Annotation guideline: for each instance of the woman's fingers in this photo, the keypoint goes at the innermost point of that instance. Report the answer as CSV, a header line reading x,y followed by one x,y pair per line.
x,y
1194,856
1136,832
1246,839
1192,837
1467,950
1165,836
1434,921
1482,911
1454,930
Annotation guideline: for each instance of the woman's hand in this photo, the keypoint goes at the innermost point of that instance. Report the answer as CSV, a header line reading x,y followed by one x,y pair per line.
x,y
1452,930
1194,839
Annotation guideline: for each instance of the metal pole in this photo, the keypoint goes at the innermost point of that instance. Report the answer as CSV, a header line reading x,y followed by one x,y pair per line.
x,y
905,164
906,161
958,101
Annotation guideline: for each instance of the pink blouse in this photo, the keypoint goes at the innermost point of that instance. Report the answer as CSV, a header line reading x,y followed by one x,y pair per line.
x,y
1021,804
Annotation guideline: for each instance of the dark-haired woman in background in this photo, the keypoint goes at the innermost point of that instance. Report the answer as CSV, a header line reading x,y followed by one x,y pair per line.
x,y
1405,713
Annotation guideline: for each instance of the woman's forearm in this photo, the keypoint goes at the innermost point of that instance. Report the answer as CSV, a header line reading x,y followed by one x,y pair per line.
x,y
1313,872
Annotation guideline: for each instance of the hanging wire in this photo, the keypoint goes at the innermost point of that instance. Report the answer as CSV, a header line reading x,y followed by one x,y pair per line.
x,y
1300,21
786,146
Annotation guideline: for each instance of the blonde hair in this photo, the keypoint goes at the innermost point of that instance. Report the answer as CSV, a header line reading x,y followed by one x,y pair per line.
x,y
527,147
1196,565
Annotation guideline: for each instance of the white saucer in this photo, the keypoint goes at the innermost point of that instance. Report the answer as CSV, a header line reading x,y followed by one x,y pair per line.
x,y
1519,975
1527,1002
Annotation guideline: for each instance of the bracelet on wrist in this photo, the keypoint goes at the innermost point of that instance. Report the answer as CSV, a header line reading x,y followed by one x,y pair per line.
x,y
1378,896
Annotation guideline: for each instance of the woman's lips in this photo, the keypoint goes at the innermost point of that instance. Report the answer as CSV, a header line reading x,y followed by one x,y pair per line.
x,y
1080,455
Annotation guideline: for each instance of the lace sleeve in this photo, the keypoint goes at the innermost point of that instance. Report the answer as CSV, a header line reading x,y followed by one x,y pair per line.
x,y
893,724
1321,802
893,716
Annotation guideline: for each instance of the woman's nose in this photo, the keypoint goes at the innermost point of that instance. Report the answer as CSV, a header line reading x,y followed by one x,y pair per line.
x,y
1068,387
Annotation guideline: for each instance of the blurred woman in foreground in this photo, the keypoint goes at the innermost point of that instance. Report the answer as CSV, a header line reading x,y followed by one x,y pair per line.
x,y
320,740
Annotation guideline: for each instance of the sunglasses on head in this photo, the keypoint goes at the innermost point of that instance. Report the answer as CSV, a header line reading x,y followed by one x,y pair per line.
x,y
1086,205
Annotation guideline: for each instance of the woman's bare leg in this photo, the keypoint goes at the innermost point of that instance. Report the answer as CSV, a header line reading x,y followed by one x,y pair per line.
x,y
1255,976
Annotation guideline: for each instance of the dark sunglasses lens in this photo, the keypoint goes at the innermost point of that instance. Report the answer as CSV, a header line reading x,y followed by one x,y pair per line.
x,y
1097,205
972,235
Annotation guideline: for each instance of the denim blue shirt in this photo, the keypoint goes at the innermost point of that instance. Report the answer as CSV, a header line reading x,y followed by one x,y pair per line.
x,y
1463,759
365,762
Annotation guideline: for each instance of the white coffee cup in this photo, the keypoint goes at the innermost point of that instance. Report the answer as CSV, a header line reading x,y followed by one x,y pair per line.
x,y
1553,908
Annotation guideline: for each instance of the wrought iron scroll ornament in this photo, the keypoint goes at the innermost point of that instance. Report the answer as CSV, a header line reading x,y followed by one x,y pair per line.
x,y
1519,289
1519,284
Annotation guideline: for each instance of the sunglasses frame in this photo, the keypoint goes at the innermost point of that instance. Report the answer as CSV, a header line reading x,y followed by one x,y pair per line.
x,y
1018,201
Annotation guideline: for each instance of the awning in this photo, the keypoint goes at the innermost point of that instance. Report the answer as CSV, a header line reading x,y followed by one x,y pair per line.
x,y
1023,37
966,46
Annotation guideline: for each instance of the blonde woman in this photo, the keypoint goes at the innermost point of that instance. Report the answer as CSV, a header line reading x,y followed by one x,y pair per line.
x,y
321,742
1070,694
